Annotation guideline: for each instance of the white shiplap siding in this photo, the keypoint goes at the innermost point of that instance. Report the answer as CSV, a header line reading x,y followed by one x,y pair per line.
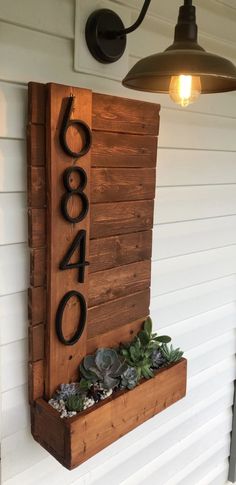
x,y
194,249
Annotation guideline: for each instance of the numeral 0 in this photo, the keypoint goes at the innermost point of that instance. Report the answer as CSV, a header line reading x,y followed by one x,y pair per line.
x,y
82,320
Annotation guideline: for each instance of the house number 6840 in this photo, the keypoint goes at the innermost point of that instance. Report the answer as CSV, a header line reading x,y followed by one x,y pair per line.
x,y
79,241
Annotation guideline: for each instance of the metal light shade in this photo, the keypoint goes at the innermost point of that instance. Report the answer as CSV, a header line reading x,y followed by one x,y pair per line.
x,y
154,73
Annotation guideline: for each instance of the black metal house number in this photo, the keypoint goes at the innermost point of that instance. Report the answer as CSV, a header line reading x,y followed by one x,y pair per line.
x,y
79,242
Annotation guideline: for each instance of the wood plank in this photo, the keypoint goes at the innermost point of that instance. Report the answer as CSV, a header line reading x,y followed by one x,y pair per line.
x,y
117,282
106,253
36,104
112,113
36,305
38,267
107,421
121,218
36,343
114,150
36,380
62,360
113,338
37,188
37,228
108,316
120,184
36,151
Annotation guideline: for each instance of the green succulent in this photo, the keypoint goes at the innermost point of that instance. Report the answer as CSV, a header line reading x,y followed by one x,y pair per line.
x,y
74,403
129,378
170,354
139,353
105,367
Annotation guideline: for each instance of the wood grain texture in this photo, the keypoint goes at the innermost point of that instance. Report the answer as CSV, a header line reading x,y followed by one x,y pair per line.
x,y
62,360
36,157
111,113
114,337
36,305
36,343
109,252
117,282
36,183
120,184
38,267
36,380
108,316
115,150
121,218
66,439
36,103
36,228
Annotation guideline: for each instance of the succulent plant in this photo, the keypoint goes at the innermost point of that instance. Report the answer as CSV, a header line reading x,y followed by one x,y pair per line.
x,y
105,367
170,354
74,403
157,358
66,390
139,353
129,378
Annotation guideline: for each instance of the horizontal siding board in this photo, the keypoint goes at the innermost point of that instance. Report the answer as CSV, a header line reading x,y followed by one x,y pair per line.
x,y
12,165
175,273
187,203
195,167
179,305
54,17
14,220
186,237
14,275
14,317
204,131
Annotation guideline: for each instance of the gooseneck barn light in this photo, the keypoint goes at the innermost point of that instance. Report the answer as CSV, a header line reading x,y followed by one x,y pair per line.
x,y
184,70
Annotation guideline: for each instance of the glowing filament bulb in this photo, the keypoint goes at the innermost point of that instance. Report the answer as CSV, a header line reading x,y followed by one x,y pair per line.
x,y
185,90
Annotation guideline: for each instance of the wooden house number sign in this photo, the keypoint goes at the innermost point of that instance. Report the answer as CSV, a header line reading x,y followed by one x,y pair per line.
x,y
91,188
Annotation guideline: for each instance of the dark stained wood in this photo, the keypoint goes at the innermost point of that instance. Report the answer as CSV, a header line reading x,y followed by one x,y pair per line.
x,y
36,380
108,316
36,305
36,182
111,113
115,150
37,236
117,282
36,343
62,360
38,267
109,252
37,227
121,218
36,151
113,338
36,103
120,184
72,441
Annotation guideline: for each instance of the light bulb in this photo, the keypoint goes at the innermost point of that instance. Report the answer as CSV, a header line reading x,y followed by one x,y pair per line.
x,y
185,90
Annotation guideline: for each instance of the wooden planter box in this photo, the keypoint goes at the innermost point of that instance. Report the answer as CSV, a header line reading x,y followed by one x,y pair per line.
x,y
73,440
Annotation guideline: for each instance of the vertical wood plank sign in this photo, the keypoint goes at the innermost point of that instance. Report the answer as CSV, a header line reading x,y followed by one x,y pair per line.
x,y
91,188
